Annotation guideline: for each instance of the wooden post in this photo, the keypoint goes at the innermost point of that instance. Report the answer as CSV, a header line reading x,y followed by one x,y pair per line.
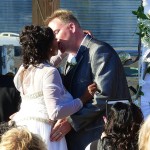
x,y
41,9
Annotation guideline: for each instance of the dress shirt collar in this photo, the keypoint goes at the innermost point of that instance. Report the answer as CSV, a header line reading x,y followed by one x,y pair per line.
x,y
71,55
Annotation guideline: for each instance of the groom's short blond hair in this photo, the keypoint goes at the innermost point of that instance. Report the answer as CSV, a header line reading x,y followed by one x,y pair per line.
x,y
64,15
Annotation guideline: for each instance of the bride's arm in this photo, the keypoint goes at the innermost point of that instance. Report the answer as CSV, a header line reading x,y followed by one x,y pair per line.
x,y
53,92
56,60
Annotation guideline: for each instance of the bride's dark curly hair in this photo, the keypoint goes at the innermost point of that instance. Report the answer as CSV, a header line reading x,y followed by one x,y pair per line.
x,y
36,42
122,127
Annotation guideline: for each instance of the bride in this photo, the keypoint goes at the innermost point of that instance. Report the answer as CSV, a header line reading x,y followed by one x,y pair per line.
x,y
44,98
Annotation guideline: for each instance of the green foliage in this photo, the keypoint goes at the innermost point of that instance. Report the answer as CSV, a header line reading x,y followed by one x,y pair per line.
x,y
143,25
140,15
139,91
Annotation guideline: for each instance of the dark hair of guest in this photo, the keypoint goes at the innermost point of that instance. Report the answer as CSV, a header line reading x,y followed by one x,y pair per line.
x,y
122,127
36,42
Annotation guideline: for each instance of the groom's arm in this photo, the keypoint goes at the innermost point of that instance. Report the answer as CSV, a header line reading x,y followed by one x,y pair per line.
x,y
105,69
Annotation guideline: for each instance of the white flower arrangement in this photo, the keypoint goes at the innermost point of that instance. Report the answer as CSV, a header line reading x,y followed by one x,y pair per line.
x,y
72,60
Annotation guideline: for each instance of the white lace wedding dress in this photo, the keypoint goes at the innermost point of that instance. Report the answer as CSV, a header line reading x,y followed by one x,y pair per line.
x,y
43,98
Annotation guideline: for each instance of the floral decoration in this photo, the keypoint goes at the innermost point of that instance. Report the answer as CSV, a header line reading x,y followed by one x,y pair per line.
x,y
144,25
144,32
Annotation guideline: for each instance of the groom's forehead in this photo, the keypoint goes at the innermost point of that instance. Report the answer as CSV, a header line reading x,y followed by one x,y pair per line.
x,y
56,24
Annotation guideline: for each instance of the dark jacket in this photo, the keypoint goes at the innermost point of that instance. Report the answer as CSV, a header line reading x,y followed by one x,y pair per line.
x,y
96,62
9,97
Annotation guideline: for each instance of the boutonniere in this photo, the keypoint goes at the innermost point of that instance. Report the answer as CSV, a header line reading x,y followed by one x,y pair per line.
x,y
72,61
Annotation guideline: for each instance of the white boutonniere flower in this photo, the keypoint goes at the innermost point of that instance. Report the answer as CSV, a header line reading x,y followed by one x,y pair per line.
x,y
72,60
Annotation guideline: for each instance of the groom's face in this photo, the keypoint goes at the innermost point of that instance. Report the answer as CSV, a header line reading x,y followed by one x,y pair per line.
x,y
62,32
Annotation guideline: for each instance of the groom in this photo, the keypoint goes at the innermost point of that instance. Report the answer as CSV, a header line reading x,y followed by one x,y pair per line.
x,y
96,62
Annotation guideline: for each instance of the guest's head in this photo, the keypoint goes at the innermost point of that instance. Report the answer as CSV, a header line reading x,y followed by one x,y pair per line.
x,y
122,126
21,139
144,135
67,30
38,45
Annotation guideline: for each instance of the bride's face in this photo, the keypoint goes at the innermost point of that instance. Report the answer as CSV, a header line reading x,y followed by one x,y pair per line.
x,y
54,48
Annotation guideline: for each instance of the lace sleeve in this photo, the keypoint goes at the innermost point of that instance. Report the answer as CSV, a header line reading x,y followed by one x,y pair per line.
x,y
54,98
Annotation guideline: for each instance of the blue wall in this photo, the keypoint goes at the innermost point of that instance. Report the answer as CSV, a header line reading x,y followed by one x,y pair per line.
x,y
14,14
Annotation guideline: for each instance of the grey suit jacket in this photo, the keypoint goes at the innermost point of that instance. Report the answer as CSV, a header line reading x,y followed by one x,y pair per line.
x,y
96,62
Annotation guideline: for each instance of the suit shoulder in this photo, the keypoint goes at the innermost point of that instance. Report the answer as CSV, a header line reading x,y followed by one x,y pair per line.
x,y
101,46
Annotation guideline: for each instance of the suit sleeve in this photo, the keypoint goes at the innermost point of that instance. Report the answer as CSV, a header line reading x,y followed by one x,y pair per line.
x,y
105,66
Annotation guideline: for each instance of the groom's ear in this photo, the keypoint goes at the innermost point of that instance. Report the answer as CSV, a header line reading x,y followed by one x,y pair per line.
x,y
72,27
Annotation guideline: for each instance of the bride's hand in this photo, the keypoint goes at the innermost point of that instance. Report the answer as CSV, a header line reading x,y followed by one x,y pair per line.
x,y
89,93
59,130
12,116
103,135
11,122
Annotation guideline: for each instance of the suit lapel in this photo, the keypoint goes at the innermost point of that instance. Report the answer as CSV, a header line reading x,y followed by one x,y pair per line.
x,y
68,68
83,48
